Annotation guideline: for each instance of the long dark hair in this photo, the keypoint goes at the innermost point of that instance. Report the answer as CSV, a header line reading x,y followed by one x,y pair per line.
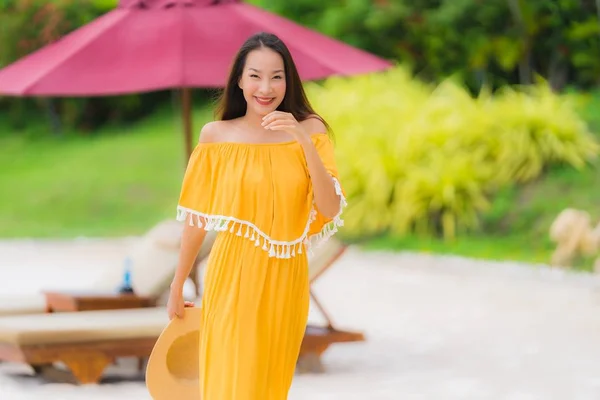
x,y
232,104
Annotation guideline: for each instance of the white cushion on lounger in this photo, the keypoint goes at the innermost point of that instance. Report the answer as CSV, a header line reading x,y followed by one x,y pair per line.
x,y
17,305
156,256
84,326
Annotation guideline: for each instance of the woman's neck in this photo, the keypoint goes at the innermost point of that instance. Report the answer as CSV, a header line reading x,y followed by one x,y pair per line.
x,y
253,121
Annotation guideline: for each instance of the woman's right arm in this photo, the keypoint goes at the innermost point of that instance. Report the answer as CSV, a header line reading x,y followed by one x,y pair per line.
x,y
191,241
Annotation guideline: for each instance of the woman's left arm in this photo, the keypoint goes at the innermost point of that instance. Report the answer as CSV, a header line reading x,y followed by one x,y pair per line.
x,y
326,198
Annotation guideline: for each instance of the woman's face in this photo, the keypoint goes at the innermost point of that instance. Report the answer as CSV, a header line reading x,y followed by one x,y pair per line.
x,y
263,81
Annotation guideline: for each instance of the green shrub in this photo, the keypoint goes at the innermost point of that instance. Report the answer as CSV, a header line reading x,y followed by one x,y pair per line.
x,y
418,158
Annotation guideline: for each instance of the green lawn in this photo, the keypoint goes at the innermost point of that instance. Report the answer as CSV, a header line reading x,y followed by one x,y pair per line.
x,y
124,180
119,182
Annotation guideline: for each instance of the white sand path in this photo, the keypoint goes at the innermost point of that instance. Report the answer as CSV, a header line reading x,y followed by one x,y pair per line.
x,y
439,328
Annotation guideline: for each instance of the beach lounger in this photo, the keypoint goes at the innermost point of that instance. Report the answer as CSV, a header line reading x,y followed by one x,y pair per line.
x,y
88,341
153,257
318,339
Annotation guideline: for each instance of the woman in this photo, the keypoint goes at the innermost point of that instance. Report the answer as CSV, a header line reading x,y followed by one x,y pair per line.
x,y
263,175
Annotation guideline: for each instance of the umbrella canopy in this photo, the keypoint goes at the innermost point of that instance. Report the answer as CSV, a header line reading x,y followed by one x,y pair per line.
x,y
146,45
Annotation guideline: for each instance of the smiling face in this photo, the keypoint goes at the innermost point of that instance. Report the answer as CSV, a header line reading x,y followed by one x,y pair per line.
x,y
263,81
263,78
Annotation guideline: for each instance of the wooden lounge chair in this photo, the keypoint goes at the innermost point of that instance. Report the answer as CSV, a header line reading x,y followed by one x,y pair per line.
x,y
318,339
88,341
154,260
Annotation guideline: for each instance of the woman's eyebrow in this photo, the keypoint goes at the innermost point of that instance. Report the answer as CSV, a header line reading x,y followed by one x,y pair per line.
x,y
257,70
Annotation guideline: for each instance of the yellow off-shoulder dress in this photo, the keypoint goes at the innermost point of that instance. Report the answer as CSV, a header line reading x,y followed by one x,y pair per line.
x,y
259,198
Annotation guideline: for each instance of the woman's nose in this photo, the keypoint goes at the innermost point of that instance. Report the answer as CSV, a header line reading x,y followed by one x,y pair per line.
x,y
265,86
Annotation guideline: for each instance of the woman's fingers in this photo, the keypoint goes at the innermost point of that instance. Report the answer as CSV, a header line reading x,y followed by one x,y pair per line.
x,y
280,127
280,123
277,116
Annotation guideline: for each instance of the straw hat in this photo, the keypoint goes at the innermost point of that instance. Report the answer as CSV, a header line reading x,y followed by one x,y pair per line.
x,y
173,366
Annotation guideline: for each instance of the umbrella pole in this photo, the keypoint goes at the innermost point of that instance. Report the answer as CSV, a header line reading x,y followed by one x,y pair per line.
x,y
186,103
186,114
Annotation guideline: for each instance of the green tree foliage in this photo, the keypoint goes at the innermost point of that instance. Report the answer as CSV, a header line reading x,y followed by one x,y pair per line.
x,y
483,42
479,42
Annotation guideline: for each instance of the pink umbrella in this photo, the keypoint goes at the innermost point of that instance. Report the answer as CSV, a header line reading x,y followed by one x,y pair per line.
x,y
146,45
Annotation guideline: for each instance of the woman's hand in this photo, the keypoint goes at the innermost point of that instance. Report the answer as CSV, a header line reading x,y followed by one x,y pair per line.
x,y
283,121
176,304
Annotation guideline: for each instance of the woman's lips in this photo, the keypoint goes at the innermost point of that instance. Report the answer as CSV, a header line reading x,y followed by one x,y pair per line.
x,y
264,101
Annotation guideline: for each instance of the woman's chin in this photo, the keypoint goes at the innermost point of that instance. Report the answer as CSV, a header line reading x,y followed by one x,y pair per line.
x,y
262,111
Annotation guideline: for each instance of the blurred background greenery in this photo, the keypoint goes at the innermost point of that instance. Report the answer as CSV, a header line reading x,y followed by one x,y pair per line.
x,y
486,129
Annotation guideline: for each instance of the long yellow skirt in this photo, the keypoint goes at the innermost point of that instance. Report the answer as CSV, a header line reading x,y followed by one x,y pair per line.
x,y
254,315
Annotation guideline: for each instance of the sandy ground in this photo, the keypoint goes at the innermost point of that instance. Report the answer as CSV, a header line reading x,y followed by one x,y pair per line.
x,y
439,328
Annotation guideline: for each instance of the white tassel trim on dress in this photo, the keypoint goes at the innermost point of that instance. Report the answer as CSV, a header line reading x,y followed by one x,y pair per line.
x,y
331,227
275,248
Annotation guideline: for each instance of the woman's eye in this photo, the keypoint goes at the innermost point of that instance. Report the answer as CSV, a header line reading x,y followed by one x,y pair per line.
x,y
253,76
277,77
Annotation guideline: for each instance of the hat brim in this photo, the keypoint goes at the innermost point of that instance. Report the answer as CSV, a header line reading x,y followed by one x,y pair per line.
x,y
173,366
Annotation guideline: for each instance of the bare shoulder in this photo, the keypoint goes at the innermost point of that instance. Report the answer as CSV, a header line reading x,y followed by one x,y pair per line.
x,y
313,124
209,132
212,131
